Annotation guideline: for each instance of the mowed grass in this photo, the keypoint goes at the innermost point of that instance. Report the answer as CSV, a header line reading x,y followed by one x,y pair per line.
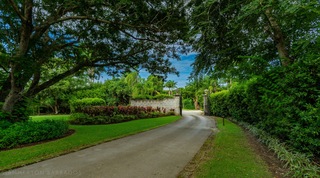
x,y
53,117
231,156
84,136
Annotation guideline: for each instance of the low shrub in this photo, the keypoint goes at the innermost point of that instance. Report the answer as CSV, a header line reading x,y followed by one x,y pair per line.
x,y
79,118
4,124
300,165
156,97
29,132
85,119
117,110
115,114
161,96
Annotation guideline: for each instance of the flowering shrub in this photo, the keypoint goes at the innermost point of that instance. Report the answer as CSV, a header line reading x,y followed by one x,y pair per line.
x,y
116,114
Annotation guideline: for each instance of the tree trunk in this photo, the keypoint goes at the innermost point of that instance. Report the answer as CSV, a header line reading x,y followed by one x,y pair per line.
x,y
5,90
278,38
56,111
13,97
56,107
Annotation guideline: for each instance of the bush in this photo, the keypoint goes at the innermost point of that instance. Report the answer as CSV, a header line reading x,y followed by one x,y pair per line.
x,y
237,103
4,124
156,97
161,96
30,132
113,114
116,110
219,103
79,118
78,104
188,103
284,102
85,119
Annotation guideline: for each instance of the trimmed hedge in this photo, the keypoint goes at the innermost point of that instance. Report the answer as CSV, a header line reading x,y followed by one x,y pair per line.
x,y
78,104
115,114
156,97
85,119
29,132
284,102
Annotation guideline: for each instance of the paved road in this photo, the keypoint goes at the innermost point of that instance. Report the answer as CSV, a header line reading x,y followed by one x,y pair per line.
x,y
162,152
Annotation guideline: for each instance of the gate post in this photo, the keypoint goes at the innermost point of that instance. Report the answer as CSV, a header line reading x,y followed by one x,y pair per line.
x,y
206,103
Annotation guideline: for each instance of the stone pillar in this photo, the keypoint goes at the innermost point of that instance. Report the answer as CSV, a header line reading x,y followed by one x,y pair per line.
x,y
206,103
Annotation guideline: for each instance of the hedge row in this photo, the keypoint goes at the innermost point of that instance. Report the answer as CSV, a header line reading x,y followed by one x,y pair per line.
x,y
115,114
78,104
156,97
285,102
12,135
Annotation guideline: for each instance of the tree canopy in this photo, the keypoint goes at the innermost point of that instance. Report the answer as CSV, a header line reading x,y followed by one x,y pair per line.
x,y
259,32
70,36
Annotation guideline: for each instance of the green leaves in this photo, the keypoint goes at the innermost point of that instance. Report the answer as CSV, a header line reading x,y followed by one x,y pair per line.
x,y
66,37
284,102
270,30
30,132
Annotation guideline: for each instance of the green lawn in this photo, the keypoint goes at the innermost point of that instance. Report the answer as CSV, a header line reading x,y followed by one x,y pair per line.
x,y
84,136
231,156
54,117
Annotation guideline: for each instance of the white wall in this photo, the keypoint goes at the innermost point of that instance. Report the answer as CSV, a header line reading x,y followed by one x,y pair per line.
x,y
168,104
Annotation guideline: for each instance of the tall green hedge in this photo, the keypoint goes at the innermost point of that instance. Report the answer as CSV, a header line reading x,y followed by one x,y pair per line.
x,y
219,103
285,102
78,104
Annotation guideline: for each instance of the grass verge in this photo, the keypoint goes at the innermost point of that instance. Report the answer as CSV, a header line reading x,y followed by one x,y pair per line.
x,y
84,136
54,117
226,154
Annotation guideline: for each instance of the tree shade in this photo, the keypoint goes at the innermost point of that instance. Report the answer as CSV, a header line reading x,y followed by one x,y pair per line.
x,y
68,37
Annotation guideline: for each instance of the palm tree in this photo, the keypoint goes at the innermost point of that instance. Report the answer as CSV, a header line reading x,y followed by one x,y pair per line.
x,y
171,84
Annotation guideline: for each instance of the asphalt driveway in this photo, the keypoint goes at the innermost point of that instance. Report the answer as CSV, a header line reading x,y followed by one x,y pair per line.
x,y
162,152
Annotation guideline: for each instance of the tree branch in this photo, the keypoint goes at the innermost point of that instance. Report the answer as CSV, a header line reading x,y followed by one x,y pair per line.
x,y
36,89
4,69
36,79
137,38
16,9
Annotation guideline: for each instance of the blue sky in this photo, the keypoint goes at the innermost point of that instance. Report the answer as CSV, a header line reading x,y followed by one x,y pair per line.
x,y
183,67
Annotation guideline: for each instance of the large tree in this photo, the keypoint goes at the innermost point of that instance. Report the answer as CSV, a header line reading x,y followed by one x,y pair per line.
x,y
260,32
109,35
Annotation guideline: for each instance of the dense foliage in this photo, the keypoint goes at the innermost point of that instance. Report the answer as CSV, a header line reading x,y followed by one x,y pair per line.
x,y
79,104
12,135
61,97
188,103
115,114
266,55
300,165
72,37
197,87
252,34
284,102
